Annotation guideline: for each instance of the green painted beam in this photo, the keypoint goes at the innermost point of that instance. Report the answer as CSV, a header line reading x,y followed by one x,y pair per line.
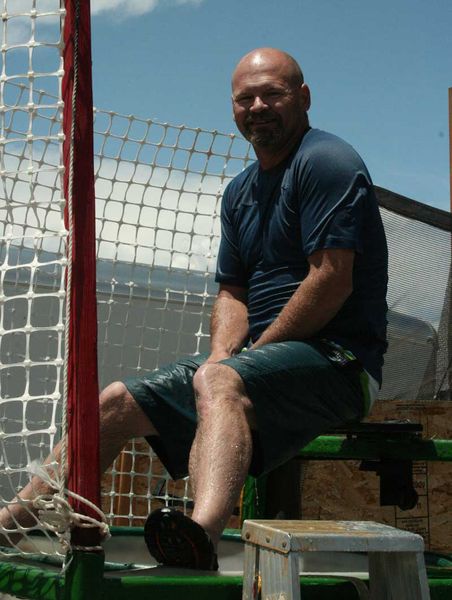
x,y
25,581
339,447
40,584
219,587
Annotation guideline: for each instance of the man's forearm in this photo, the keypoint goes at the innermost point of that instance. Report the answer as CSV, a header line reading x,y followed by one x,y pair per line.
x,y
315,302
229,325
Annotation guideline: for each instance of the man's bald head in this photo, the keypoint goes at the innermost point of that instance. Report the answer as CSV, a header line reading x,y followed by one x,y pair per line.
x,y
270,58
270,102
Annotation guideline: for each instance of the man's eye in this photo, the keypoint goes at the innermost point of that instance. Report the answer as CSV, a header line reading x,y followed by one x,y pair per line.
x,y
244,99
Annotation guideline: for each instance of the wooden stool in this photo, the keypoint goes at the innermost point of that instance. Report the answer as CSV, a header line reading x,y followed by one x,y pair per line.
x,y
396,558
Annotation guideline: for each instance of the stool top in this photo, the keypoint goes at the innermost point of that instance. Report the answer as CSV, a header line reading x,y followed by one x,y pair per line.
x,y
330,536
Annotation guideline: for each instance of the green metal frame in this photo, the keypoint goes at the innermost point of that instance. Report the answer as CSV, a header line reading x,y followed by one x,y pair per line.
x,y
340,447
343,447
87,582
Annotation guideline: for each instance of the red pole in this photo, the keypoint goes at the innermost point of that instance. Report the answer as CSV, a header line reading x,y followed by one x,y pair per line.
x,y
83,412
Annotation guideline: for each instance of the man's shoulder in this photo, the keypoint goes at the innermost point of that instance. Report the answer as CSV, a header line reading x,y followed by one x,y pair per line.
x,y
322,147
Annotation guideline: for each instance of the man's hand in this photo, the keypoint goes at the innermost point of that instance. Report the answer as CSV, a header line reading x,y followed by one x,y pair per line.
x,y
229,323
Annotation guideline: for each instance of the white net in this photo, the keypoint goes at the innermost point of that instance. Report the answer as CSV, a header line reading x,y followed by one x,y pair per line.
x,y
32,239
158,190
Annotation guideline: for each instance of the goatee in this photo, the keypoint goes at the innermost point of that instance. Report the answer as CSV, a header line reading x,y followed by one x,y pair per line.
x,y
266,137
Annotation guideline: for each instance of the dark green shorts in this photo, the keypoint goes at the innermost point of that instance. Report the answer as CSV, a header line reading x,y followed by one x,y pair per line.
x,y
297,393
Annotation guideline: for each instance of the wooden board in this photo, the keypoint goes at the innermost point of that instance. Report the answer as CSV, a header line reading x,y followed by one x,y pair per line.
x,y
339,490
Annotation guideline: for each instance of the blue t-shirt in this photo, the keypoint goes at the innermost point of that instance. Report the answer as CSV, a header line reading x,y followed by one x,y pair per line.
x,y
320,197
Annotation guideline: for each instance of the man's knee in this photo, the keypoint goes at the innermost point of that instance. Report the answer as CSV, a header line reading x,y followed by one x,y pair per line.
x,y
217,386
217,377
118,407
113,396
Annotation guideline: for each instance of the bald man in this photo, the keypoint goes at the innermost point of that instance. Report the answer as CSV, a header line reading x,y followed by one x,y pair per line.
x,y
302,273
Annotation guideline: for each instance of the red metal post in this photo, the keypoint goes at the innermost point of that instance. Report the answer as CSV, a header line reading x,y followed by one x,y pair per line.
x,y
83,413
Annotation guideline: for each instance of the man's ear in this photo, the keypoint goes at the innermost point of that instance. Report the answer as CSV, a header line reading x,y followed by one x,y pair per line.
x,y
306,95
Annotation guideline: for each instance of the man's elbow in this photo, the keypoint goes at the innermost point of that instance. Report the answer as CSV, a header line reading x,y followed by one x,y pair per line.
x,y
340,292
348,288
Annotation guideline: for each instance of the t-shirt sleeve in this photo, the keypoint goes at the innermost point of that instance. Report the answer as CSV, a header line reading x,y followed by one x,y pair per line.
x,y
334,186
230,269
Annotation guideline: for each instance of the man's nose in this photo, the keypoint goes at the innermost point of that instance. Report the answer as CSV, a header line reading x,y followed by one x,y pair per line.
x,y
258,104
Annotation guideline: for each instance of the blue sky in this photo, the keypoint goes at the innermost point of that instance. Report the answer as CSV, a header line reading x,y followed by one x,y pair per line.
x,y
378,71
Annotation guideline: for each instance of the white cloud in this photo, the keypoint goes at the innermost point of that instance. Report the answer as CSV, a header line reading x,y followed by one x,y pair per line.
x,y
135,7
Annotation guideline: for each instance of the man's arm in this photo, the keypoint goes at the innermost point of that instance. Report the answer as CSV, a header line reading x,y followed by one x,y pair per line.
x,y
317,299
229,322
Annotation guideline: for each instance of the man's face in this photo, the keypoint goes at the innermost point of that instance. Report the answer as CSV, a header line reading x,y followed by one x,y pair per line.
x,y
269,111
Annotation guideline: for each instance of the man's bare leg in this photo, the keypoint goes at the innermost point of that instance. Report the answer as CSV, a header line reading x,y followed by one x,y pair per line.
x,y
221,452
121,419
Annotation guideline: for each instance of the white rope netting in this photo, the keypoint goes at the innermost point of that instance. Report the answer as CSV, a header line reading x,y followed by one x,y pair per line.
x,y
32,239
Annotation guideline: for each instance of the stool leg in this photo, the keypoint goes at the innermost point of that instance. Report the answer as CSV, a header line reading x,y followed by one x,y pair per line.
x,y
280,575
398,576
251,582
379,571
